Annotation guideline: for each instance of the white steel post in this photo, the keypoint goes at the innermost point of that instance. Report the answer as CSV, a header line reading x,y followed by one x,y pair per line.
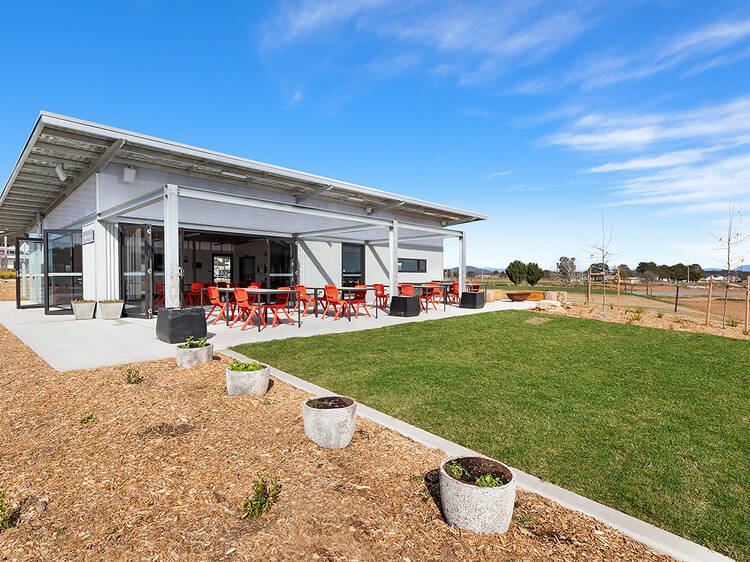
x,y
5,251
462,262
171,247
393,259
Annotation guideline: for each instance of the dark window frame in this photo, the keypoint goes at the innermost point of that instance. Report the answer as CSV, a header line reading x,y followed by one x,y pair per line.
x,y
420,265
361,248
215,255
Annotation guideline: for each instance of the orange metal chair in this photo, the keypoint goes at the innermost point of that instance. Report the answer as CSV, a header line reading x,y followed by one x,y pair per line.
x,y
194,293
429,292
304,300
215,299
381,297
159,295
332,300
454,294
473,287
247,306
407,290
255,285
359,299
282,299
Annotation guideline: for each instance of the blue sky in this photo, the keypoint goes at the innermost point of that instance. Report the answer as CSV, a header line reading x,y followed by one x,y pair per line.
x,y
542,115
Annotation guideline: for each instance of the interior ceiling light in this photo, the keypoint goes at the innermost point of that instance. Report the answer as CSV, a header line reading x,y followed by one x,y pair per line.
x,y
60,172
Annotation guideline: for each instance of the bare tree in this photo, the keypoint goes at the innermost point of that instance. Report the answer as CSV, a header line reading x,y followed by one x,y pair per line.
x,y
566,269
729,243
602,253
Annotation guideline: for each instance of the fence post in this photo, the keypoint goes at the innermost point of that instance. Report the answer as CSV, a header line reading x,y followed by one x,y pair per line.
x,y
676,294
588,289
618,289
708,304
747,303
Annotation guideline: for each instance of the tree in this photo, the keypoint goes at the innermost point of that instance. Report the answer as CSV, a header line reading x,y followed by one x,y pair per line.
x,y
678,272
533,273
645,267
729,242
604,254
516,272
599,268
625,271
566,269
696,272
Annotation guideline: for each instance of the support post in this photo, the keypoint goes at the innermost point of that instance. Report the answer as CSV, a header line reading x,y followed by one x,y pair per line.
x,y
393,259
618,289
171,247
747,303
462,263
676,294
588,288
5,251
708,303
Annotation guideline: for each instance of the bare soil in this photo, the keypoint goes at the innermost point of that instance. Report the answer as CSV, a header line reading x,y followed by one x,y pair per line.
x,y
162,472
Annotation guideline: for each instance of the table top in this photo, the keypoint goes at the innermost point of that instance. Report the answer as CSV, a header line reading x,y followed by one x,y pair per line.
x,y
260,291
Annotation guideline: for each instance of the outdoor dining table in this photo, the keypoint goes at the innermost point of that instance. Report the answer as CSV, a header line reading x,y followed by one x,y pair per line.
x,y
443,289
344,291
261,293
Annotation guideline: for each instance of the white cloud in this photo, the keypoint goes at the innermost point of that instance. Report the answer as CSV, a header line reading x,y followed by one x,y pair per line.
x,y
647,162
297,98
497,174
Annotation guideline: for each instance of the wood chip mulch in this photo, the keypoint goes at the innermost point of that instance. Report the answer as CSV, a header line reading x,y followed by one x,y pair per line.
x,y
162,472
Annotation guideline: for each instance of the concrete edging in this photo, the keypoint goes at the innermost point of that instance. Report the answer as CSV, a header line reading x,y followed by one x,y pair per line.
x,y
660,540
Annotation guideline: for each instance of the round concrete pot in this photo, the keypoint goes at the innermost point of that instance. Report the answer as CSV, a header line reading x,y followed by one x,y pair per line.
x,y
83,310
332,428
475,508
111,310
248,382
194,355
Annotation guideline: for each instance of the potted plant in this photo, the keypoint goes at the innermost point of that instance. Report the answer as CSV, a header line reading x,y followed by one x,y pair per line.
x,y
477,494
194,351
247,378
111,309
83,310
330,420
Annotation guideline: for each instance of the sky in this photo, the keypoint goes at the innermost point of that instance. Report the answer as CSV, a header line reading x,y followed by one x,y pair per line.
x,y
546,116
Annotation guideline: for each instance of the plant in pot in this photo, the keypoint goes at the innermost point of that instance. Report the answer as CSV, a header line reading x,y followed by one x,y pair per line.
x,y
477,494
83,309
193,352
330,420
247,378
111,309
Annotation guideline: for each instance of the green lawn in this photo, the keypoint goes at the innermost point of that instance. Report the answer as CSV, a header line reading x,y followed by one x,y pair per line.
x,y
651,422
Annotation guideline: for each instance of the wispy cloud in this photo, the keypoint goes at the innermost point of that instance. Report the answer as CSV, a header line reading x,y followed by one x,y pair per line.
x,y
497,174
647,162
297,98
523,187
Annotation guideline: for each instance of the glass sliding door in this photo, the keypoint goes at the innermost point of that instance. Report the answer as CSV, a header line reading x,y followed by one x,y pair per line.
x,y
63,270
136,270
352,265
29,272
281,268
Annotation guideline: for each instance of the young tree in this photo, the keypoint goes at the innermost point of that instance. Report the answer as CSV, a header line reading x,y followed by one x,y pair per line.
x,y
729,243
566,269
533,273
602,254
516,272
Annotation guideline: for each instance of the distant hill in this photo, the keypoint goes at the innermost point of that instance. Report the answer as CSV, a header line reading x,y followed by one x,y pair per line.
x,y
478,270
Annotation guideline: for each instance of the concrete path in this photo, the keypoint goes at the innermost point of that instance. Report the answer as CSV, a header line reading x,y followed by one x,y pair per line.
x,y
68,344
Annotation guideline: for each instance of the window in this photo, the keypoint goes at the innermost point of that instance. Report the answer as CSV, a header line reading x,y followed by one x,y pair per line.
x,y
412,265
352,265
222,271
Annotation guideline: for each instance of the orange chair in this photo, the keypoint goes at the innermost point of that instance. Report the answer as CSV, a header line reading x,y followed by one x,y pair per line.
x,y
247,306
429,292
332,300
282,299
215,299
194,293
407,290
255,285
454,294
473,287
159,295
303,299
381,297
359,299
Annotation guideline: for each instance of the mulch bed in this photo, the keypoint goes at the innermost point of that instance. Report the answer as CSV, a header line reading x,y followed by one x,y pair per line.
x,y
163,470
7,289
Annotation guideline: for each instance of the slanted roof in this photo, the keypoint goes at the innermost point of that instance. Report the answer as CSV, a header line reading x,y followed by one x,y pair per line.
x,y
82,148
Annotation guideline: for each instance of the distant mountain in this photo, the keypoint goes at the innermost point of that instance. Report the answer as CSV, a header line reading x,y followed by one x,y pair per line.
x,y
723,270
478,270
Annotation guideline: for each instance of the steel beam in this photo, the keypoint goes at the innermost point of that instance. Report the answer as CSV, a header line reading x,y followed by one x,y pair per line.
x,y
312,193
338,230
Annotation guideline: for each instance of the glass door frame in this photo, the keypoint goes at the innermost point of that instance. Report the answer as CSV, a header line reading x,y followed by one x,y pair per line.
x,y
362,260
47,264
149,260
17,267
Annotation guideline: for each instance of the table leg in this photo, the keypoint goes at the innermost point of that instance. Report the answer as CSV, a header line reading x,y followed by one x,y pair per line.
x,y
299,313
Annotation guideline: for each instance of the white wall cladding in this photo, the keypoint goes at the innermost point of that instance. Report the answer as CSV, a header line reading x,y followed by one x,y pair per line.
x,y
106,240
319,263
80,203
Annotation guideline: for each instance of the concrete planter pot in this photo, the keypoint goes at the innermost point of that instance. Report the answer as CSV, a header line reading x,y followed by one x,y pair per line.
x,y
476,508
332,428
188,357
111,310
83,310
248,382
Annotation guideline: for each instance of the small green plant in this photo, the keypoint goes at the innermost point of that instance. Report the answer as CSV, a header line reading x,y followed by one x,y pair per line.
x,y
489,481
60,531
638,310
263,497
660,315
132,375
637,316
7,274
88,419
732,323
240,366
745,332
456,470
5,522
525,520
191,343
611,306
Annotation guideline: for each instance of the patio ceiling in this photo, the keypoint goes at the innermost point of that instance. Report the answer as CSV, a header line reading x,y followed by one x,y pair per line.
x,y
63,152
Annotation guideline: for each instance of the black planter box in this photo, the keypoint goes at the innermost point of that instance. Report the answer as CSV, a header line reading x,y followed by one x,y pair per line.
x,y
472,300
404,306
175,325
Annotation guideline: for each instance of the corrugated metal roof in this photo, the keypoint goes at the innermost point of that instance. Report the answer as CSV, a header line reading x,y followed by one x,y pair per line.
x,y
80,148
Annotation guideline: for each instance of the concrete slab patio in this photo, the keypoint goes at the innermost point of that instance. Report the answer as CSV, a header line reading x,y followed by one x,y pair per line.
x,y
68,344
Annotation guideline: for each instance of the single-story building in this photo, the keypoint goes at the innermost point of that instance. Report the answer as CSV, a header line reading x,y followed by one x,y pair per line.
x,y
103,213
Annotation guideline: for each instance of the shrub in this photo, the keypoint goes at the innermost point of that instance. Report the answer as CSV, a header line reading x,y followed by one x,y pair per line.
x,y
7,274
659,315
5,518
533,273
88,419
192,343
262,499
132,375
240,366
516,272
637,316
732,323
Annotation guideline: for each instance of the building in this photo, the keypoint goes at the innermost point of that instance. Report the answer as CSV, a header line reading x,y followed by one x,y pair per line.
x,y
103,213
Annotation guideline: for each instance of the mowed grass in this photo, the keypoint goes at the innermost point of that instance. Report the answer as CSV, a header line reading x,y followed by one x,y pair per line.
x,y
651,422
